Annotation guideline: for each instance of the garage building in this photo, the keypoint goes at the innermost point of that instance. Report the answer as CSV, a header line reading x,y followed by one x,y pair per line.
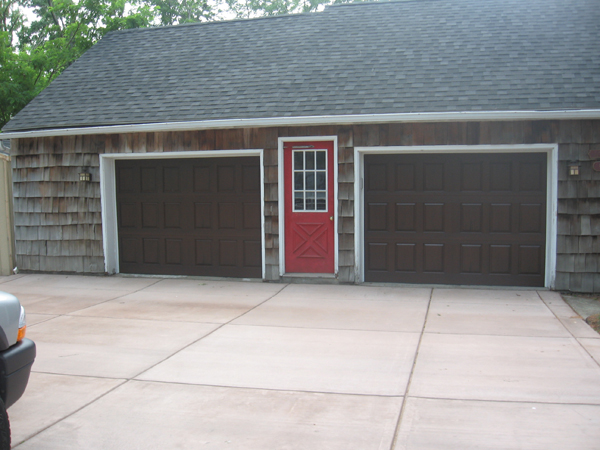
x,y
436,142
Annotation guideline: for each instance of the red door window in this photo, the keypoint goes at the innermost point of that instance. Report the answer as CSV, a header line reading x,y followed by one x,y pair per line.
x,y
309,207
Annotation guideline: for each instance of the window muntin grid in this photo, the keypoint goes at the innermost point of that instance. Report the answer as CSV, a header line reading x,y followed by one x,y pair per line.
x,y
309,169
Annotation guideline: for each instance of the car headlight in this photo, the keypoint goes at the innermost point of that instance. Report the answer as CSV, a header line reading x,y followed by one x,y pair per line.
x,y
22,325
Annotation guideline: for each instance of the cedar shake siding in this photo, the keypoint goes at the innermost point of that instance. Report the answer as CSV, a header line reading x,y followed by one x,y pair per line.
x,y
59,225
58,220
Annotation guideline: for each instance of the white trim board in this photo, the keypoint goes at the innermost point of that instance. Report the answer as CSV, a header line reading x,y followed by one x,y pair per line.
x,y
551,151
350,119
281,196
108,195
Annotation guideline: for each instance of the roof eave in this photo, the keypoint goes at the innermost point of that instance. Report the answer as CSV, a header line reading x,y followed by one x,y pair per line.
x,y
355,119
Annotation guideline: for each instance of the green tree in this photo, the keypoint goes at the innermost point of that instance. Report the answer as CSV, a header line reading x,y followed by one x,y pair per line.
x,y
17,79
258,8
11,18
65,29
34,54
174,12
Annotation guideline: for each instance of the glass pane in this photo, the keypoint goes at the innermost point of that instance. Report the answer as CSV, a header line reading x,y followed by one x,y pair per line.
x,y
321,180
321,201
298,160
321,160
298,181
310,201
310,160
310,180
298,201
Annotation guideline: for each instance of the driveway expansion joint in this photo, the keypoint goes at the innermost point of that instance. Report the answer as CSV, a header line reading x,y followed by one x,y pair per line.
x,y
485,400
412,371
211,332
584,347
253,388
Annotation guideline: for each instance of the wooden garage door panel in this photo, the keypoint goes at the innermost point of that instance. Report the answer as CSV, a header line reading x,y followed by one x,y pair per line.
x,y
456,219
190,216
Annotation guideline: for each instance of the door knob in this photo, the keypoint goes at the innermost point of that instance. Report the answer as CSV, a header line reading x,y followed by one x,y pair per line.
x,y
331,218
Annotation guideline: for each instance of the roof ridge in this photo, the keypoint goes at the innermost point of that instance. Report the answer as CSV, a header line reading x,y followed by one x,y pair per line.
x,y
374,2
215,22
275,16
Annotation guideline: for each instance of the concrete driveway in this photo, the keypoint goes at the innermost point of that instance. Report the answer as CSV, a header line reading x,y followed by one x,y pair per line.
x,y
153,363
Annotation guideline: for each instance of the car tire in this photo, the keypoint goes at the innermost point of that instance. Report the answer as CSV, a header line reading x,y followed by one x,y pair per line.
x,y
4,428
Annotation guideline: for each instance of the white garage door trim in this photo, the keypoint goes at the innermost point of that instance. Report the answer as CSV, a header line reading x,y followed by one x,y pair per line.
x,y
551,151
109,196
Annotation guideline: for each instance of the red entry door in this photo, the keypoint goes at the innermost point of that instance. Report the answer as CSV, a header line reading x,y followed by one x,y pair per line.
x,y
309,207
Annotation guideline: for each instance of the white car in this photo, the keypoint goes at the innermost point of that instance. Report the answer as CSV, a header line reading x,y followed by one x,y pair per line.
x,y
16,358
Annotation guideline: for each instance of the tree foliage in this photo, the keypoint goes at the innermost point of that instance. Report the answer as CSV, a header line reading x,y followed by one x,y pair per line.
x,y
174,12
34,52
64,29
16,78
259,8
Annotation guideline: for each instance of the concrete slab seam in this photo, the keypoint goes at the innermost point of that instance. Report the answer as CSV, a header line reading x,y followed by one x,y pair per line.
x,y
100,377
262,389
476,400
362,330
111,299
12,278
73,412
410,377
497,335
70,314
209,334
50,317
584,347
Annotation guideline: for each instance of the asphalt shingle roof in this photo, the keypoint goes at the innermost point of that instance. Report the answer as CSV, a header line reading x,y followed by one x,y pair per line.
x,y
389,57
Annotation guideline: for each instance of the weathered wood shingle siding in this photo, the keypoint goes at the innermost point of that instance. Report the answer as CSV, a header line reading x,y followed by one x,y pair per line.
x,y
58,219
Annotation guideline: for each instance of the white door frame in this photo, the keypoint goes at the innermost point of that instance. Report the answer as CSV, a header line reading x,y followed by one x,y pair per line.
x,y
108,195
551,150
281,196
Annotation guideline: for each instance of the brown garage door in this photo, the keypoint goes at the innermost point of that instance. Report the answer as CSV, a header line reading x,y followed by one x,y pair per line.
x,y
472,219
189,216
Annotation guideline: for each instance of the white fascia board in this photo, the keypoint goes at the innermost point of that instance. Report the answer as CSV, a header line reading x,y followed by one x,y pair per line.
x,y
484,148
460,116
186,154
